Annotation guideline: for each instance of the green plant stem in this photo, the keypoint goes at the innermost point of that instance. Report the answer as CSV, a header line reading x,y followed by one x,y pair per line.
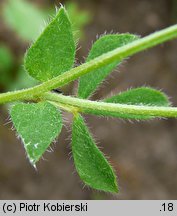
x,y
64,107
117,54
108,109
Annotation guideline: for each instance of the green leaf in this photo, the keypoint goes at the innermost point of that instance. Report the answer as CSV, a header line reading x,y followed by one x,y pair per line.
x,y
24,18
54,51
38,125
90,82
140,96
91,165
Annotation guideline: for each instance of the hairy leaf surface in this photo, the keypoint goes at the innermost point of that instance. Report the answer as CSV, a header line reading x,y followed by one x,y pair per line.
x,y
90,82
54,51
91,165
38,125
140,96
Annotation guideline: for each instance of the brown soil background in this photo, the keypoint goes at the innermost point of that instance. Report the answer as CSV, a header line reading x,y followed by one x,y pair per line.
x,y
144,154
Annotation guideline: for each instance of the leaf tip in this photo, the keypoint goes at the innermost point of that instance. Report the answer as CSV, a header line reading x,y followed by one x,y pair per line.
x,y
61,9
115,187
32,161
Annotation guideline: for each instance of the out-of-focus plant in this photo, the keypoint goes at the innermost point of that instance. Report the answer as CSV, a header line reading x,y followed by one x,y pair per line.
x,y
23,80
27,21
36,114
79,19
6,64
24,18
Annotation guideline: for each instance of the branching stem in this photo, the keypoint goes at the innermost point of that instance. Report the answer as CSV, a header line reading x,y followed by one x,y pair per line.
x,y
108,109
89,106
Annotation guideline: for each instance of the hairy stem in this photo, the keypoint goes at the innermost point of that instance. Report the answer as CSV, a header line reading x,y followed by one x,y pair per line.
x,y
109,109
65,107
117,54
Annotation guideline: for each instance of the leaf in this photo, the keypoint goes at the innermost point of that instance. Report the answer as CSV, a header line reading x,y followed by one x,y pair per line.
x,y
54,51
90,82
140,96
38,125
24,18
91,165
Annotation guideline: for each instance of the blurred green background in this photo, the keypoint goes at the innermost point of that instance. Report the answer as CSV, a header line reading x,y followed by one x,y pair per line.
x,y
144,154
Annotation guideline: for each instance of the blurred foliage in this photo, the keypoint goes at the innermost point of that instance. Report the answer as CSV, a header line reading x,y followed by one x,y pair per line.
x,y
78,18
6,64
24,18
174,10
23,80
27,21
